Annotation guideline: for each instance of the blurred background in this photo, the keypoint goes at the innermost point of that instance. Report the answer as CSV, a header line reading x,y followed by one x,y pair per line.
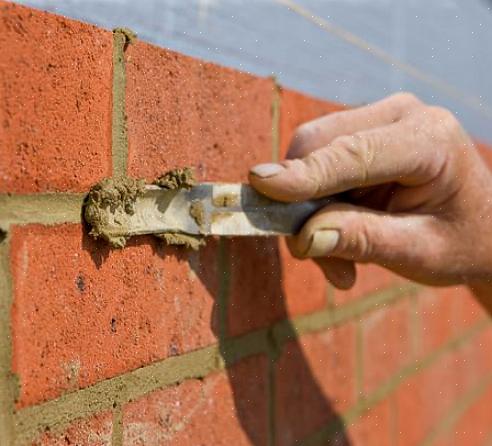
x,y
349,51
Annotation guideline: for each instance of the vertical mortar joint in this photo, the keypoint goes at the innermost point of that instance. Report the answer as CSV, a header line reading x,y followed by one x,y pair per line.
x,y
122,37
276,120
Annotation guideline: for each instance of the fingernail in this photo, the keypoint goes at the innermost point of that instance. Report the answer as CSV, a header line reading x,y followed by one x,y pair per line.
x,y
323,242
267,170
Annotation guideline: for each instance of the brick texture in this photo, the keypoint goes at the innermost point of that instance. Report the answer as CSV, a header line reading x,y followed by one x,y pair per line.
x,y
83,313
375,427
95,431
445,314
185,112
474,426
255,297
427,397
55,102
387,344
314,382
224,408
304,286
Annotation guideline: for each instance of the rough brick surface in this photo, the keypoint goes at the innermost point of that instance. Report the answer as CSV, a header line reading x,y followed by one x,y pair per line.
x,y
95,431
225,408
387,343
375,427
314,381
185,112
55,102
83,313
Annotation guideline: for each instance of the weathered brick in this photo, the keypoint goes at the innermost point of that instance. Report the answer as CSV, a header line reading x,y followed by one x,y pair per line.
x,y
225,408
55,101
315,381
185,112
386,343
297,108
94,431
373,428
83,312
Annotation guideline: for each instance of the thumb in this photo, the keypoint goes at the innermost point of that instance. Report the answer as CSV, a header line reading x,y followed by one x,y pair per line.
x,y
399,242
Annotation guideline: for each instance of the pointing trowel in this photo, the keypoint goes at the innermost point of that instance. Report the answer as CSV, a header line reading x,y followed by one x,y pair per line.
x,y
202,210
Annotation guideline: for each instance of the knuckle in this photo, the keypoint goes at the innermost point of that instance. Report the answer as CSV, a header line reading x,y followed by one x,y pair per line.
x,y
360,149
406,99
443,116
358,245
303,138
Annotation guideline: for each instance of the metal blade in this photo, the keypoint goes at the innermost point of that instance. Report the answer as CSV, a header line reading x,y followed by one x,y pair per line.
x,y
210,209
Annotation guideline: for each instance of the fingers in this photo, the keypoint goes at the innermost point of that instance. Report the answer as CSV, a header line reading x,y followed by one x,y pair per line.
x,y
358,234
322,131
393,153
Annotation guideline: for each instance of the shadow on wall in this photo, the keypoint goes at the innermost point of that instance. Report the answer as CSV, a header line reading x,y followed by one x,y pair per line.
x,y
251,286
244,276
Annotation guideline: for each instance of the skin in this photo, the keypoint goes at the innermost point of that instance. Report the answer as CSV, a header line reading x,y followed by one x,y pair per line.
x,y
415,195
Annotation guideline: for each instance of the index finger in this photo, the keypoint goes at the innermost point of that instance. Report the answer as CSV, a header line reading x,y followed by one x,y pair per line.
x,y
320,132
388,154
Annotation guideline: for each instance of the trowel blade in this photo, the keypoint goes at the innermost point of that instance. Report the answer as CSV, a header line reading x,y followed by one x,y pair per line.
x,y
211,209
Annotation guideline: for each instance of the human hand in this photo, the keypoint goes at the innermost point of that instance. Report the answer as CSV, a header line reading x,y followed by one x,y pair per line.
x,y
417,195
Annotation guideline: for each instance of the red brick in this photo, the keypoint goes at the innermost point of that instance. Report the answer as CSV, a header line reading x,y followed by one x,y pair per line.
x,y
427,397
304,286
370,279
466,307
55,100
386,343
83,313
225,408
436,320
474,426
315,381
95,431
444,314
255,298
185,112
297,108
267,285
374,428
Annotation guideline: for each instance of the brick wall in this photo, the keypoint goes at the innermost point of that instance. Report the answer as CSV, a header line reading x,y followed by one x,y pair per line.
x,y
236,344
